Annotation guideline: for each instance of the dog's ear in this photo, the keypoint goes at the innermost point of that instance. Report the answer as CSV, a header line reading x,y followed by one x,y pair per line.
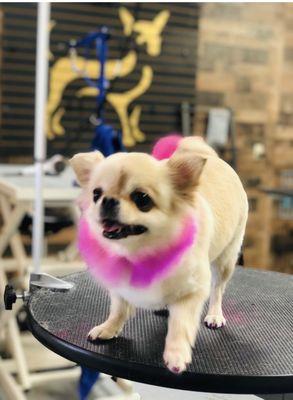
x,y
161,20
184,171
127,20
83,163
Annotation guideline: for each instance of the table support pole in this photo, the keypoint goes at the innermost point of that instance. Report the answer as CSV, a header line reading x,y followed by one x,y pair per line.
x,y
40,129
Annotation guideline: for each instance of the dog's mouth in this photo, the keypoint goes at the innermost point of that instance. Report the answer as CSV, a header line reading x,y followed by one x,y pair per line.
x,y
116,230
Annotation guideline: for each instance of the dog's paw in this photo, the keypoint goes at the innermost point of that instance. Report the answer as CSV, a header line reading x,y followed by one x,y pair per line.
x,y
177,358
214,321
104,331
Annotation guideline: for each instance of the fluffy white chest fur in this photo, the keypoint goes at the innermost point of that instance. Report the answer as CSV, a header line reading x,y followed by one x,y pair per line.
x,y
152,297
182,281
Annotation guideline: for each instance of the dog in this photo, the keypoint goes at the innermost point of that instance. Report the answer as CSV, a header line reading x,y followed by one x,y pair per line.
x,y
162,231
146,34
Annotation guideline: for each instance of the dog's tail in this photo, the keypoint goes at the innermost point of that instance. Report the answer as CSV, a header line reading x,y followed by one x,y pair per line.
x,y
167,145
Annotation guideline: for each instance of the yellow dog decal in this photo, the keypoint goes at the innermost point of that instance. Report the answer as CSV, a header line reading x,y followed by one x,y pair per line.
x,y
62,73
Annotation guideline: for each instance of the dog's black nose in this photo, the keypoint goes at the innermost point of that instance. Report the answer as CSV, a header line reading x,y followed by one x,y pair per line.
x,y
109,208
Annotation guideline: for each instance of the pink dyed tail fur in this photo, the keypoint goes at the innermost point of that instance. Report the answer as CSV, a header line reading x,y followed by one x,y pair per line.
x,y
166,146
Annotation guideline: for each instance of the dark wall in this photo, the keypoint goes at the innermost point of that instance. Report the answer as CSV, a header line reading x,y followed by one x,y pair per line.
x,y
173,81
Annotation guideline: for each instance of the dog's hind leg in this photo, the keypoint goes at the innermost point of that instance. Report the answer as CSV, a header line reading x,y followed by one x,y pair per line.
x,y
121,101
134,118
215,318
222,270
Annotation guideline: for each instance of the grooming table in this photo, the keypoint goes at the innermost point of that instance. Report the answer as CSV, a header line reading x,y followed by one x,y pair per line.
x,y
252,354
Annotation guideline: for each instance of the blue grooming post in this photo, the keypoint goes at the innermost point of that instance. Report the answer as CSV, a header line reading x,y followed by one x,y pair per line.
x,y
106,139
87,380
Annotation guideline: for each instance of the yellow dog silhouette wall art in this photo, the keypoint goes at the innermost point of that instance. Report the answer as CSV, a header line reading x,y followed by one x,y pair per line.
x,y
63,72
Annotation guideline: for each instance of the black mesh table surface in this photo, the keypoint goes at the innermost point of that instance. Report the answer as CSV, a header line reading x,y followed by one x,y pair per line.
x,y
253,353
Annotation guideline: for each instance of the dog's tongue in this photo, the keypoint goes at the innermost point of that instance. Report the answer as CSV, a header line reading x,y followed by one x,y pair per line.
x,y
111,228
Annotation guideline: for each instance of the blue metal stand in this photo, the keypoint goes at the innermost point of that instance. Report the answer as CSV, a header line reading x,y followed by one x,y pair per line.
x,y
106,139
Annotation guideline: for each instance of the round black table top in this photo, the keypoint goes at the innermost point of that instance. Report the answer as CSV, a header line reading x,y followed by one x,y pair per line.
x,y
253,353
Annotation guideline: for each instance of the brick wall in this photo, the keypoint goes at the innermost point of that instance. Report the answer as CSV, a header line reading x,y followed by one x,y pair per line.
x,y
245,62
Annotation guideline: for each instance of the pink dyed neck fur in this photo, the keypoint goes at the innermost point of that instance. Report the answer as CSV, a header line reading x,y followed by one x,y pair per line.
x,y
112,270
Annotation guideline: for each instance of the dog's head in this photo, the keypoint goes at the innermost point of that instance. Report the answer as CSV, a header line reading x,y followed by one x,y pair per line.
x,y
134,202
147,32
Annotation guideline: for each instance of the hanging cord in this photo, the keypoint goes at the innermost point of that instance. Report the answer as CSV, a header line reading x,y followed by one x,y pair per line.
x,y
82,72
128,43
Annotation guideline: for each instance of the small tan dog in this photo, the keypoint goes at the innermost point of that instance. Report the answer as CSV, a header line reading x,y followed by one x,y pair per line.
x,y
162,233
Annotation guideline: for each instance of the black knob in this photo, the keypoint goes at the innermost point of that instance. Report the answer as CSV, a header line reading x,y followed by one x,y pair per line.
x,y
9,297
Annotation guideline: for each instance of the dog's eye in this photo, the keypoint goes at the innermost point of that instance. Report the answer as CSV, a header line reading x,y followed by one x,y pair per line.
x,y
142,201
97,193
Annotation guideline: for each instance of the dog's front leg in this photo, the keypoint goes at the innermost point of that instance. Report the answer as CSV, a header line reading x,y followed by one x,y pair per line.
x,y
183,324
120,311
